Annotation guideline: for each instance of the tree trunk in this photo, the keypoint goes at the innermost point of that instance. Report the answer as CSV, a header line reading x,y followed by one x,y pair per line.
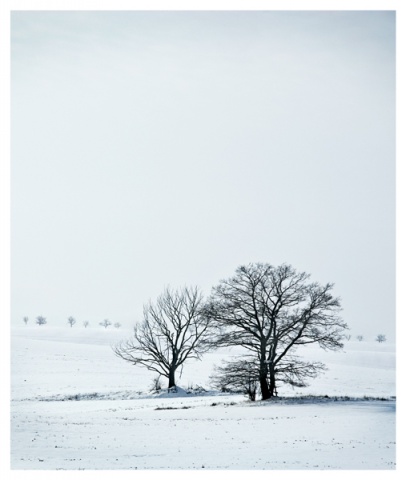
x,y
171,378
263,379
272,384
264,388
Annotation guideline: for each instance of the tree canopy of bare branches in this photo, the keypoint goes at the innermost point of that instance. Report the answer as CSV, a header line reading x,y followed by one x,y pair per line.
x,y
71,321
40,320
271,311
172,331
238,375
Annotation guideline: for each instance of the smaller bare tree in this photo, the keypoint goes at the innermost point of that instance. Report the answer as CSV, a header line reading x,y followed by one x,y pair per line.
x,y
172,332
25,320
237,376
71,321
105,323
117,325
40,320
86,323
360,338
380,338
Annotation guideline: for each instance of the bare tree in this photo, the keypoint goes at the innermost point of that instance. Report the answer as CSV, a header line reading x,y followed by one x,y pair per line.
x,y
380,338
271,311
86,323
105,323
360,338
40,320
237,376
117,325
25,320
71,321
173,330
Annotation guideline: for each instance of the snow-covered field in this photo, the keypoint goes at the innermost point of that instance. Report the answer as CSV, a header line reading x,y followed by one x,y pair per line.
x,y
75,405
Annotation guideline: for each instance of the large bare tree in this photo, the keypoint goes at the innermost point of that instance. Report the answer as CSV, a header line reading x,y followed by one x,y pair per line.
x,y
270,311
173,330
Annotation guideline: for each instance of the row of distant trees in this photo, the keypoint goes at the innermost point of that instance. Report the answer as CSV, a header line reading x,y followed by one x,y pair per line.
x,y
379,338
40,320
106,323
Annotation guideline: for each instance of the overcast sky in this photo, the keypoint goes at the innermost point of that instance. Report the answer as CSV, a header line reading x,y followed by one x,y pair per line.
x,y
168,148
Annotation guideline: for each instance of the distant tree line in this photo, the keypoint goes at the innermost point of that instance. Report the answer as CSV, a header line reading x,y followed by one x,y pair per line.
x,y
379,338
40,320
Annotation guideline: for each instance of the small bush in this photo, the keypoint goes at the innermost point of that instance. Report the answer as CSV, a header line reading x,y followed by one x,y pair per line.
x,y
156,386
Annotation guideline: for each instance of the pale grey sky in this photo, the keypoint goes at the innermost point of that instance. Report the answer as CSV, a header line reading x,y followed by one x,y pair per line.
x,y
167,148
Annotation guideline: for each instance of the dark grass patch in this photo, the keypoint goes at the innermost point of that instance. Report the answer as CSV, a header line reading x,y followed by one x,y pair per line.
x,y
172,408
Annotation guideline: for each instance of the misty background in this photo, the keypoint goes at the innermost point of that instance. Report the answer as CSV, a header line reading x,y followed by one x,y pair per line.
x,y
167,148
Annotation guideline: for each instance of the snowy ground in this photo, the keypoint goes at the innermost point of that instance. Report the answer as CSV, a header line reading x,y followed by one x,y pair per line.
x,y
74,405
